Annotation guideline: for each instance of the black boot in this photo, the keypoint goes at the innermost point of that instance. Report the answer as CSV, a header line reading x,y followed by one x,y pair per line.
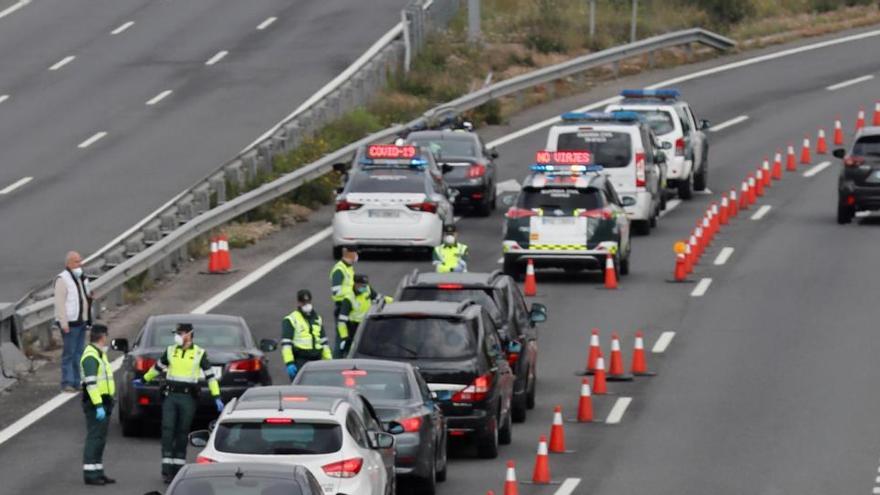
x,y
108,481
95,481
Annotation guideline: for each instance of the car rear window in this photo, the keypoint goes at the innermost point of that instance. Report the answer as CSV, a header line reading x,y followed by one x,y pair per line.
x,y
867,146
262,438
451,293
660,121
232,485
416,338
609,149
567,200
374,384
205,335
387,180
463,147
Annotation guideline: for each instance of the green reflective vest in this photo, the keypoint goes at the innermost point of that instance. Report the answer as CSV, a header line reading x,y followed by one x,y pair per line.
x,y
341,281
306,337
98,381
448,257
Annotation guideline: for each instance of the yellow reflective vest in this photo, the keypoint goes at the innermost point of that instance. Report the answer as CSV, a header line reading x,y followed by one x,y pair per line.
x,y
97,376
304,336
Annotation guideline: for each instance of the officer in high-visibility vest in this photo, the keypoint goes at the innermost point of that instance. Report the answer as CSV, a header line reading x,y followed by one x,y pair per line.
x,y
342,277
97,403
182,363
302,335
451,255
352,311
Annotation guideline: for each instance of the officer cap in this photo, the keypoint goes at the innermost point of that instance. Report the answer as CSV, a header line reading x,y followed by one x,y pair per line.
x,y
99,329
350,249
360,278
304,296
449,229
184,328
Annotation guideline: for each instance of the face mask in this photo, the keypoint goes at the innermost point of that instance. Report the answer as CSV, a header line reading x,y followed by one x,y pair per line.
x,y
449,239
306,308
78,271
354,258
105,348
362,290
178,339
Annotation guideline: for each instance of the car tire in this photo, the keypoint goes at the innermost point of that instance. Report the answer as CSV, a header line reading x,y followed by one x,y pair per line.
x,y
428,484
441,473
509,268
702,178
487,448
845,213
337,252
130,428
653,221
531,391
641,227
505,432
686,188
519,406
485,208
624,265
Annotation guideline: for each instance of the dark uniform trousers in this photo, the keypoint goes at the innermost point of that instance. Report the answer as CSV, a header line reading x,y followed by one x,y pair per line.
x,y
178,410
96,438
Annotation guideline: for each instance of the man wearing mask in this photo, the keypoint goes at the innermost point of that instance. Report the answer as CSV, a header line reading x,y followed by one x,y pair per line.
x,y
97,403
181,363
73,306
302,335
451,255
353,309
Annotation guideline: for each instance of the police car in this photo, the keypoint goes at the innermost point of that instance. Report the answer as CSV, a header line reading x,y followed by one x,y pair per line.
x,y
567,215
629,152
394,196
673,121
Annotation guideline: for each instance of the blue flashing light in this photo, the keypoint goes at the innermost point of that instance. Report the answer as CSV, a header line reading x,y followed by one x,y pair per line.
x,y
392,163
618,116
661,94
625,116
565,169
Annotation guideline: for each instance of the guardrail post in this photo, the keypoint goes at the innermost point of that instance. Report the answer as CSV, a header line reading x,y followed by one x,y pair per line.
x,y
218,186
294,135
202,198
592,19
12,360
474,21
115,256
185,210
634,21
152,232
168,221
615,67
651,60
236,174
134,244
249,160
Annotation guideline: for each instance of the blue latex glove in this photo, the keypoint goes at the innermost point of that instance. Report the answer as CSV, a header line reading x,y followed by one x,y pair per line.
x,y
137,382
100,413
219,404
291,370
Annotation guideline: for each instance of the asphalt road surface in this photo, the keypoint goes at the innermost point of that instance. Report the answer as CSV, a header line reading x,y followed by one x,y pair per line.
x,y
85,156
768,384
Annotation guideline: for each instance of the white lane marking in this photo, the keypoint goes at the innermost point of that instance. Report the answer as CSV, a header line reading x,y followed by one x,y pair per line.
x,y
817,168
548,122
159,97
670,205
12,8
261,272
618,410
15,185
730,123
704,192
64,61
663,342
217,57
876,490
568,486
510,185
702,287
500,260
3,98
122,27
723,256
92,140
762,211
268,22
850,82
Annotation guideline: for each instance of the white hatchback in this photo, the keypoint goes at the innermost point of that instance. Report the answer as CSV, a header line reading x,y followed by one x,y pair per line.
x,y
334,432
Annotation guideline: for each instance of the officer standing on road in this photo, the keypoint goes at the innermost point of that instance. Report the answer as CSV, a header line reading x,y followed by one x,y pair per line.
x,y
451,255
181,363
302,335
342,277
353,309
73,304
97,403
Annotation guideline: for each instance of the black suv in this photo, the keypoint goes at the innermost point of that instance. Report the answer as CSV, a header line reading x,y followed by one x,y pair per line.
x,y
502,298
859,185
458,351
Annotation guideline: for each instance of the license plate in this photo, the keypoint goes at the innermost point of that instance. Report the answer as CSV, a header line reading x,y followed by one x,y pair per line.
x,y
384,213
558,220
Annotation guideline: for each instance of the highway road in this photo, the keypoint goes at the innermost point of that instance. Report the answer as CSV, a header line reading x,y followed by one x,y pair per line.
x,y
109,108
767,386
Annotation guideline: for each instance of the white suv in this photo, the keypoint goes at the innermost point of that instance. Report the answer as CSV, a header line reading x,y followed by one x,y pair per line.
x,y
629,153
673,121
334,432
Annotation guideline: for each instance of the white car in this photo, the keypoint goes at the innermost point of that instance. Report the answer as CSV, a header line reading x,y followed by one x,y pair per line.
x,y
334,432
394,196
628,152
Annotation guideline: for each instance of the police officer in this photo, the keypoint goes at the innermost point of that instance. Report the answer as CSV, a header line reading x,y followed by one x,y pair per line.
x,y
97,403
342,277
181,363
353,309
302,335
451,255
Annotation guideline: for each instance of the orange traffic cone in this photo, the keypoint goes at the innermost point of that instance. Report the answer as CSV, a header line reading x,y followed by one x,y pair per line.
x,y
744,196
530,288
600,385
765,168
860,119
805,152
777,165
639,362
759,183
821,143
213,260
838,132
688,259
734,211
223,253
790,163
876,119
595,350
541,474
585,403
511,487
753,195
724,210
610,273
617,373
557,432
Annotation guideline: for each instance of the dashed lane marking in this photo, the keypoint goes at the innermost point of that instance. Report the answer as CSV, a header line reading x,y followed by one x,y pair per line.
x,y
159,97
663,342
762,212
568,486
122,27
268,22
12,8
217,57
729,123
3,98
817,168
64,61
500,260
618,410
92,140
850,82
15,185
670,205
723,256
702,287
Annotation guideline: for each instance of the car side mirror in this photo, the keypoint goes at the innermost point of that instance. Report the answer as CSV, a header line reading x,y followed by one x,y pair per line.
x,y
538,313
340,167
666,145
839,153
395,428
120,345
493,153
705,125
446,168
212,424
659,157
199,438
628,201
268,345
380,440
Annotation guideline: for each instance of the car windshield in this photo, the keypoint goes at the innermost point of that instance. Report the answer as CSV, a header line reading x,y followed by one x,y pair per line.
x,y
232,485
453,293
387,180
450,147
564,199
214,335
868,146
609,149
374,384
410,337
659,120
265,438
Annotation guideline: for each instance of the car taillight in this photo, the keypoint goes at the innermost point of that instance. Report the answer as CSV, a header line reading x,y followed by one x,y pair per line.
x,y
348,468
426,206
476,170
477,391
347,205
512,358
679,147
450,286
600,213
204,460
853,161
278,421
411,424
640,169
519,213
143,364
246,365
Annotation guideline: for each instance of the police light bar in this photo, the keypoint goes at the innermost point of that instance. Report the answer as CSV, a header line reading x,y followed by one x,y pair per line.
x,y
619,116
564,157
543,168
391,151
661,94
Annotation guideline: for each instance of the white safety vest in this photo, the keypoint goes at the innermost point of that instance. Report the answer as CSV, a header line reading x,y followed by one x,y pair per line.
x,y
73,302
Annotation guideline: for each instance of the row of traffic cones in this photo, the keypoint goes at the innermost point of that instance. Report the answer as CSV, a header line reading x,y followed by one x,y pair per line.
x,y
530,286
219,260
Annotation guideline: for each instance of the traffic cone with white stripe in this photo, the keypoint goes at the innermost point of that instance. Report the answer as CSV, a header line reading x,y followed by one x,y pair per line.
x,y
714,218
790,163
530,287
707,232
759,182
876,119
511,487
595,350
765,169
821,143
541,473
734,211
753,197
639,361
617,373
838,132
213,259
610,273
777,165
688,259
723,210
806,158
557,432
223,256
860,119
691,253
600,385
585,403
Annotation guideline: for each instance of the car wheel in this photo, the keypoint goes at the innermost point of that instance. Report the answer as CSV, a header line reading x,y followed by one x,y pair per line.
x,y
505,433
488,444
130,428
509,268
686,187
531,391
624,265
702,178
845,213
519,405
337,252
428,484
441,473
642,227
663,198
653,221
485,208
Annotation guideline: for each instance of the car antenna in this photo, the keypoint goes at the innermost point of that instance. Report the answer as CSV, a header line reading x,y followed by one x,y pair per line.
x,y
239,474
280,402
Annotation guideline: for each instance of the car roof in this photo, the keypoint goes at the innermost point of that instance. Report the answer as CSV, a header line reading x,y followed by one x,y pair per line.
x,y
593,180
654,102
193,318
443,135
357,363
432,308
481,279
870,130
195,471
325,399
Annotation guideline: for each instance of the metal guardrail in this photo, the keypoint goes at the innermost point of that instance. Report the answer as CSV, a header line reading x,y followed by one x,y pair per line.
x,y
167,250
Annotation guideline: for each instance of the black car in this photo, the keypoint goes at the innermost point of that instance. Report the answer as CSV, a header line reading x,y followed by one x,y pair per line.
x,y
404,405
251,477
503,299
858,187
472,169
457,350
231,350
